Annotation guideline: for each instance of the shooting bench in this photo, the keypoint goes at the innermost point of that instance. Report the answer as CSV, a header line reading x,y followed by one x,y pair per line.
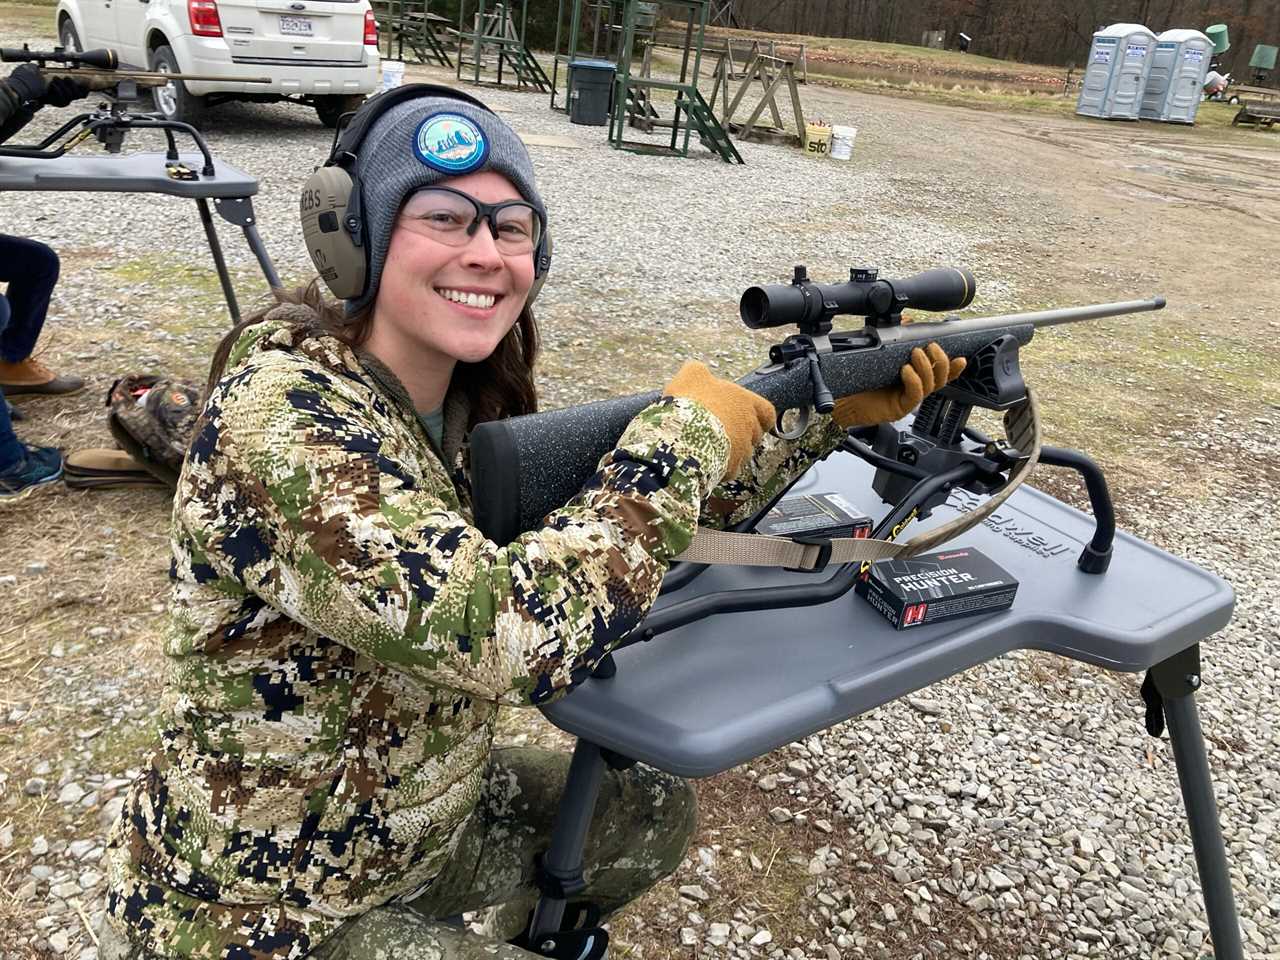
x,y
716,688
1262,113
196,176
1243,91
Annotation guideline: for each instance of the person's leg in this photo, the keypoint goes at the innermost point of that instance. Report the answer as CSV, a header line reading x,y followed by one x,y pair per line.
x,y
11,449
22,468
397,932
643,822
31,269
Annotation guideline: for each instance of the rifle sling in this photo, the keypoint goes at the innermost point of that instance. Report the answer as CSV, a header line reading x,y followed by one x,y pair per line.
x,y
1022,430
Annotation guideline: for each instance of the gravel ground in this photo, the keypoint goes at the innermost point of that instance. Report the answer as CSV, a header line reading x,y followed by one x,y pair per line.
x,y
1017,811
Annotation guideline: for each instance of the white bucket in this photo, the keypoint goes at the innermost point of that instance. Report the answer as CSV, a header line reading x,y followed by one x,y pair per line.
x,y
842,142
392,73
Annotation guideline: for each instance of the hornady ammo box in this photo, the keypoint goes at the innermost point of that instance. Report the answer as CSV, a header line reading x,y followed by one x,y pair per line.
x,y
938,586
815,515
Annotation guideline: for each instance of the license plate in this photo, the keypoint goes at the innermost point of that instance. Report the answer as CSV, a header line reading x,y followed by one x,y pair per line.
x,y
296,26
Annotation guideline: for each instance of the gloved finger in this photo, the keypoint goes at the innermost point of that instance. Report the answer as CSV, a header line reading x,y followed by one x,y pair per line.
x,y
912,385
690,374
956,368
923,368
941,365
765,414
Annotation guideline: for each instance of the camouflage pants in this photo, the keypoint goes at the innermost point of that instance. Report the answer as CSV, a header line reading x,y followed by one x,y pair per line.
x,y
642,825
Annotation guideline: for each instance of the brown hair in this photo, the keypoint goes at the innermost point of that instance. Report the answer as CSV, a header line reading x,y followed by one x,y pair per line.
x,y
499,386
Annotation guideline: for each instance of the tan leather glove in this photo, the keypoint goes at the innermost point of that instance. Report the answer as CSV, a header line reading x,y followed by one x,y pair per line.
x,y
745,415
929,370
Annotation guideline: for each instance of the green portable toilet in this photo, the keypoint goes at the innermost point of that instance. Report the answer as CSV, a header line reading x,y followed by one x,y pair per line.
x,y
1218,34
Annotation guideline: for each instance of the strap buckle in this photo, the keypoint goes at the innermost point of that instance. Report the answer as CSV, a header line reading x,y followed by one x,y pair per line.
x,y
812,564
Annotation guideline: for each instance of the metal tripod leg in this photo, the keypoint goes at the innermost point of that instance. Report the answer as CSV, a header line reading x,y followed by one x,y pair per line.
x,y
562,863
239,211
1175,681
229,294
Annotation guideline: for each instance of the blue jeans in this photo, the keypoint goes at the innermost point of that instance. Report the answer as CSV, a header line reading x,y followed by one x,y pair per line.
x,y
31,270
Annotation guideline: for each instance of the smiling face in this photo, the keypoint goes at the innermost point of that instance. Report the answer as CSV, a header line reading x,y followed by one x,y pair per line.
x,y
438,304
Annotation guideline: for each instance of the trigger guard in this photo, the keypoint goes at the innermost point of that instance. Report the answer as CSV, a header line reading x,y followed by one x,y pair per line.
x,y
795,432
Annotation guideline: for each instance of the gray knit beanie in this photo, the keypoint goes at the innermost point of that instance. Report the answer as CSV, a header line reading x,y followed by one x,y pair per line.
x,y
422,142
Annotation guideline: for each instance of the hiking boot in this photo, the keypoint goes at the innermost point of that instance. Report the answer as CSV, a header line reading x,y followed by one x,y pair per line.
x,y
39,466
32,376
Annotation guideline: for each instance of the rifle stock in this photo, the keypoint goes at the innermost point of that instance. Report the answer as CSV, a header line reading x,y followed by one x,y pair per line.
x,y
525,467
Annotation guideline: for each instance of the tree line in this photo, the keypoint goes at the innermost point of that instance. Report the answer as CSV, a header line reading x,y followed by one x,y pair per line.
x,y
1031,31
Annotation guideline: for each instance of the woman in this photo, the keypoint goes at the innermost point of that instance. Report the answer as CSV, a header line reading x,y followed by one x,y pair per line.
x,y
342,636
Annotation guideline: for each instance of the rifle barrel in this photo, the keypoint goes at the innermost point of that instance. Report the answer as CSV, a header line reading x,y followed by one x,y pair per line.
x,y
115,76
924,329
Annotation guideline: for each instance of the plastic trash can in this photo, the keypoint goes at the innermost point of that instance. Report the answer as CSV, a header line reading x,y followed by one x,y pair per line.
x,y
590,91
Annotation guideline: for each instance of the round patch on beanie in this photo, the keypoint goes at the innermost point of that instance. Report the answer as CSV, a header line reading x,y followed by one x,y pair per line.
x,y
450,143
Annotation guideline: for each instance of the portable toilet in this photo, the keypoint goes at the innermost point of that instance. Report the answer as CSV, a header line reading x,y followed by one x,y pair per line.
x,y
1119,61
1178,68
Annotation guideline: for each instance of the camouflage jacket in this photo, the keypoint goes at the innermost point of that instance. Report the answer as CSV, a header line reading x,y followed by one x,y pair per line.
x,y
341,638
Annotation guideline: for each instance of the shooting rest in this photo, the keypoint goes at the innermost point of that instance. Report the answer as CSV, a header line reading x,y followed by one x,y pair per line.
x,y
721,691
228,187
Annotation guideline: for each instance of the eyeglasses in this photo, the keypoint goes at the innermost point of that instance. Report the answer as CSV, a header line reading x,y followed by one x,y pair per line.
x,y
452,217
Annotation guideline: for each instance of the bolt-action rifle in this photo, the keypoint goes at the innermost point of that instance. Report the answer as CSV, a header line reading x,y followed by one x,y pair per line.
x,y
100,70
525,467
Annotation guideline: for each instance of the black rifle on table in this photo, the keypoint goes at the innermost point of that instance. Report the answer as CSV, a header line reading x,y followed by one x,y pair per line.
x,y
101,71
525,467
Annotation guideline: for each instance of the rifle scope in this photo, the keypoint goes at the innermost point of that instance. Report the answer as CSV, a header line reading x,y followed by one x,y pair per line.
x,y
804,302
102,59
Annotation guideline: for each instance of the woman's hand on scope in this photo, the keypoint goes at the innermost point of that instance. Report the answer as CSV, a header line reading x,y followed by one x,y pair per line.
x,y
929,370
745,415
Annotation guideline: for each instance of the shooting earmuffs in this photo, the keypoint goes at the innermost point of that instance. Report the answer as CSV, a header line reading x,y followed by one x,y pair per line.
x,y
332,203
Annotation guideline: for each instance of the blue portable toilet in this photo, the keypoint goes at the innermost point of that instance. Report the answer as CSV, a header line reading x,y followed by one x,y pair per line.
x,y
1178,69
1119,62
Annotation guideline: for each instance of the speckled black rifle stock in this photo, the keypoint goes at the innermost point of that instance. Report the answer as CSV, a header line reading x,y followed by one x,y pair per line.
x,y
525,467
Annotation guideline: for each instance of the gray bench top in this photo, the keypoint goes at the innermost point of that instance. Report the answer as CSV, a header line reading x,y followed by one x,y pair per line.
x,y
124,173
719,692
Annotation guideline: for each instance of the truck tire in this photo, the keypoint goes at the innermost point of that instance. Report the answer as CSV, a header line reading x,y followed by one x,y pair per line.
x,y
175,102
331,108
67,36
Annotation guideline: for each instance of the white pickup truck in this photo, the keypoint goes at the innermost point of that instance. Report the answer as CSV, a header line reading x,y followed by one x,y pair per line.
x,y
321,52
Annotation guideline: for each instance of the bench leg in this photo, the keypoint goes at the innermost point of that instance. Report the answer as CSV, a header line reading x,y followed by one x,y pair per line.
x,y
228,292
1176,681
562,862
